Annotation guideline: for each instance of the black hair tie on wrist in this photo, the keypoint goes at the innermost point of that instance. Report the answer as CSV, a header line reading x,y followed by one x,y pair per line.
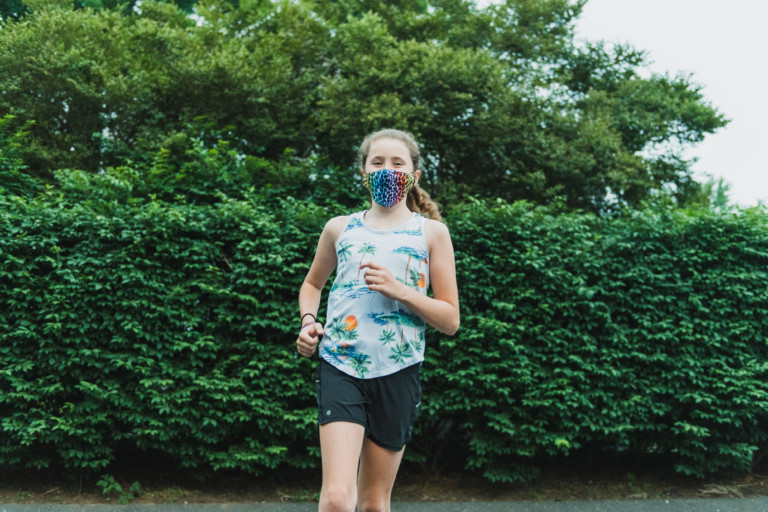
x,y
305,314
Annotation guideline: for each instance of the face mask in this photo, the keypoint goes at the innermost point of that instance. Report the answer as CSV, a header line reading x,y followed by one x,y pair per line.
x,y
388,186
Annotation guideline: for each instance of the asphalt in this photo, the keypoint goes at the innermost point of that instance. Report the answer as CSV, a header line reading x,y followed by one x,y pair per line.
x,y
694,505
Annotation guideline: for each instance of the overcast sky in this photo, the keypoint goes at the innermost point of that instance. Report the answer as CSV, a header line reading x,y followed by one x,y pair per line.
x,y
723,44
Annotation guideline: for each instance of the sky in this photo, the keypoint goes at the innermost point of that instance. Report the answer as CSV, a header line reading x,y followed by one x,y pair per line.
x,y
722,45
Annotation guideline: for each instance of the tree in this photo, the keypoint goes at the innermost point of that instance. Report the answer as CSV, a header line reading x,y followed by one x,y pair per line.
x,y
12,10
14,179
503,100
507,104
105,86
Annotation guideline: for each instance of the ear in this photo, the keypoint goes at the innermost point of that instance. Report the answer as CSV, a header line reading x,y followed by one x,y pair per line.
x,y
362,172
417,175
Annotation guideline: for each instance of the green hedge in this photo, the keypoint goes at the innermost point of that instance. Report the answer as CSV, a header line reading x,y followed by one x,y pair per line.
x,y
140,321
643,334
163,327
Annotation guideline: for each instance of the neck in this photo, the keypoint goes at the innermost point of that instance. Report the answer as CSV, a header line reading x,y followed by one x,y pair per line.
x,y
379,217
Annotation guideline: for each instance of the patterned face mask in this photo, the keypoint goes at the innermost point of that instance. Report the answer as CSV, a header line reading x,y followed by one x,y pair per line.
x,y
388,186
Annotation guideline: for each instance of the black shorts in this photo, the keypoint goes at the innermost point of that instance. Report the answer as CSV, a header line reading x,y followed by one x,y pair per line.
x,y
386,406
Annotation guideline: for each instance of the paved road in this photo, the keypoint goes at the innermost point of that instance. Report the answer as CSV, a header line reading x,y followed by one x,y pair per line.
x,y
708,505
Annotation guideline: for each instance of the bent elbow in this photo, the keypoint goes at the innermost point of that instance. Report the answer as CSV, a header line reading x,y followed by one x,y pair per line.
x,y
453,328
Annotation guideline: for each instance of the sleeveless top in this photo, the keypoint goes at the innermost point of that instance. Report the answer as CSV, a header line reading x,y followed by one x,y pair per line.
x,y
367,335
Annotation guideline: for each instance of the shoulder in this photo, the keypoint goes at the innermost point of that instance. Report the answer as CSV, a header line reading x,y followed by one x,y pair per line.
x,y
334,227
436,233
337,223
435,228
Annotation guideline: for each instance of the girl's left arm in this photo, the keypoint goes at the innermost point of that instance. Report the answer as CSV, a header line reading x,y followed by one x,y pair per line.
x,y
440,311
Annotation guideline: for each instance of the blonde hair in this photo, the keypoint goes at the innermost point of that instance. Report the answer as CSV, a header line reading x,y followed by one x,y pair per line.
x,y
418,200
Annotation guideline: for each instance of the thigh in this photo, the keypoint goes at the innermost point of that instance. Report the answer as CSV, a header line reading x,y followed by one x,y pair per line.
x,y
341,414
340,446
378,469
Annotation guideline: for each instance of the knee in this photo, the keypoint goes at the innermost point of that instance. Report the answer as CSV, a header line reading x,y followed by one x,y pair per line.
x,y
337,499
373,505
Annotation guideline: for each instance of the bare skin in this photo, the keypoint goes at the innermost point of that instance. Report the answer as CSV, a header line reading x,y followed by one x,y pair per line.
x,y
345,450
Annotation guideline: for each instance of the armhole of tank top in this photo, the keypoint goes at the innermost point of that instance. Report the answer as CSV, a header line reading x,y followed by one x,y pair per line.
x,y
344,230
423,220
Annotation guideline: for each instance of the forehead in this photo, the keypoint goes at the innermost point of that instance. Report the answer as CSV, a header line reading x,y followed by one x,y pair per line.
x,y
389,147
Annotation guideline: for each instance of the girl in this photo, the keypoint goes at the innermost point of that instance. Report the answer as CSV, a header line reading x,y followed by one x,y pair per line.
x,y
368,390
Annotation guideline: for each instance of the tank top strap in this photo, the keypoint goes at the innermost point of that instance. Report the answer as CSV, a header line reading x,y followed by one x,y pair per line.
x,y
416,223
355,221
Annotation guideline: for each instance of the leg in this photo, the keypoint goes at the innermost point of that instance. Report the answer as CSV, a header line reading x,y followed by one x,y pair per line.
x,y
378,469
340,446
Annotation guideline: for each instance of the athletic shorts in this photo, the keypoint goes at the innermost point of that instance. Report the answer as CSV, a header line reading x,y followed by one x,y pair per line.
x,y
386,406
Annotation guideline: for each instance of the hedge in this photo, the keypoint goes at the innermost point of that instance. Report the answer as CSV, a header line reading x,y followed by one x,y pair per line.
x,y
151,323
642,334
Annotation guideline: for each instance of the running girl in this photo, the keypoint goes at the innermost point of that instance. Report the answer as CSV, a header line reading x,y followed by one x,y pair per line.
x,y
368,388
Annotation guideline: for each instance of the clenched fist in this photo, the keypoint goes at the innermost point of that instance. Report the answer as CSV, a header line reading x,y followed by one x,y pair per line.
x,y
308,338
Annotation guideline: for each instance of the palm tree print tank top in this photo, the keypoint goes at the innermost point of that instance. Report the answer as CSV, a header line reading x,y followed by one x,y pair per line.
x,y
367,335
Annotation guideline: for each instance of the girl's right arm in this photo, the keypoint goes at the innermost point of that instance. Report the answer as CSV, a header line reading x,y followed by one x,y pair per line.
x,y
311,289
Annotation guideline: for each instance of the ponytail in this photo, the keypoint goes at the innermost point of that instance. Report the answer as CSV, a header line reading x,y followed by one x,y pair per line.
x,y
419,201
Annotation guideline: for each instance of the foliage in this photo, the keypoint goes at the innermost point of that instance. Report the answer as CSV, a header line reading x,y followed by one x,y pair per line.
x,y
110,487
114,86
13,10
123,294
504,100
639,334
164,179
138,319
13,176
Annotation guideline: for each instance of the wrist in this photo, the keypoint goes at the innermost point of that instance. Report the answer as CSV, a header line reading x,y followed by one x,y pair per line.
x,y
305,322
405,292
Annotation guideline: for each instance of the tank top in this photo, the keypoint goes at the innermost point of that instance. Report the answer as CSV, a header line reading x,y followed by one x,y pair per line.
x,y
367,335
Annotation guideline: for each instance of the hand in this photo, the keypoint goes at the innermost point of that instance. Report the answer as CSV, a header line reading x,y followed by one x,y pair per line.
x,y
380,279
308,338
